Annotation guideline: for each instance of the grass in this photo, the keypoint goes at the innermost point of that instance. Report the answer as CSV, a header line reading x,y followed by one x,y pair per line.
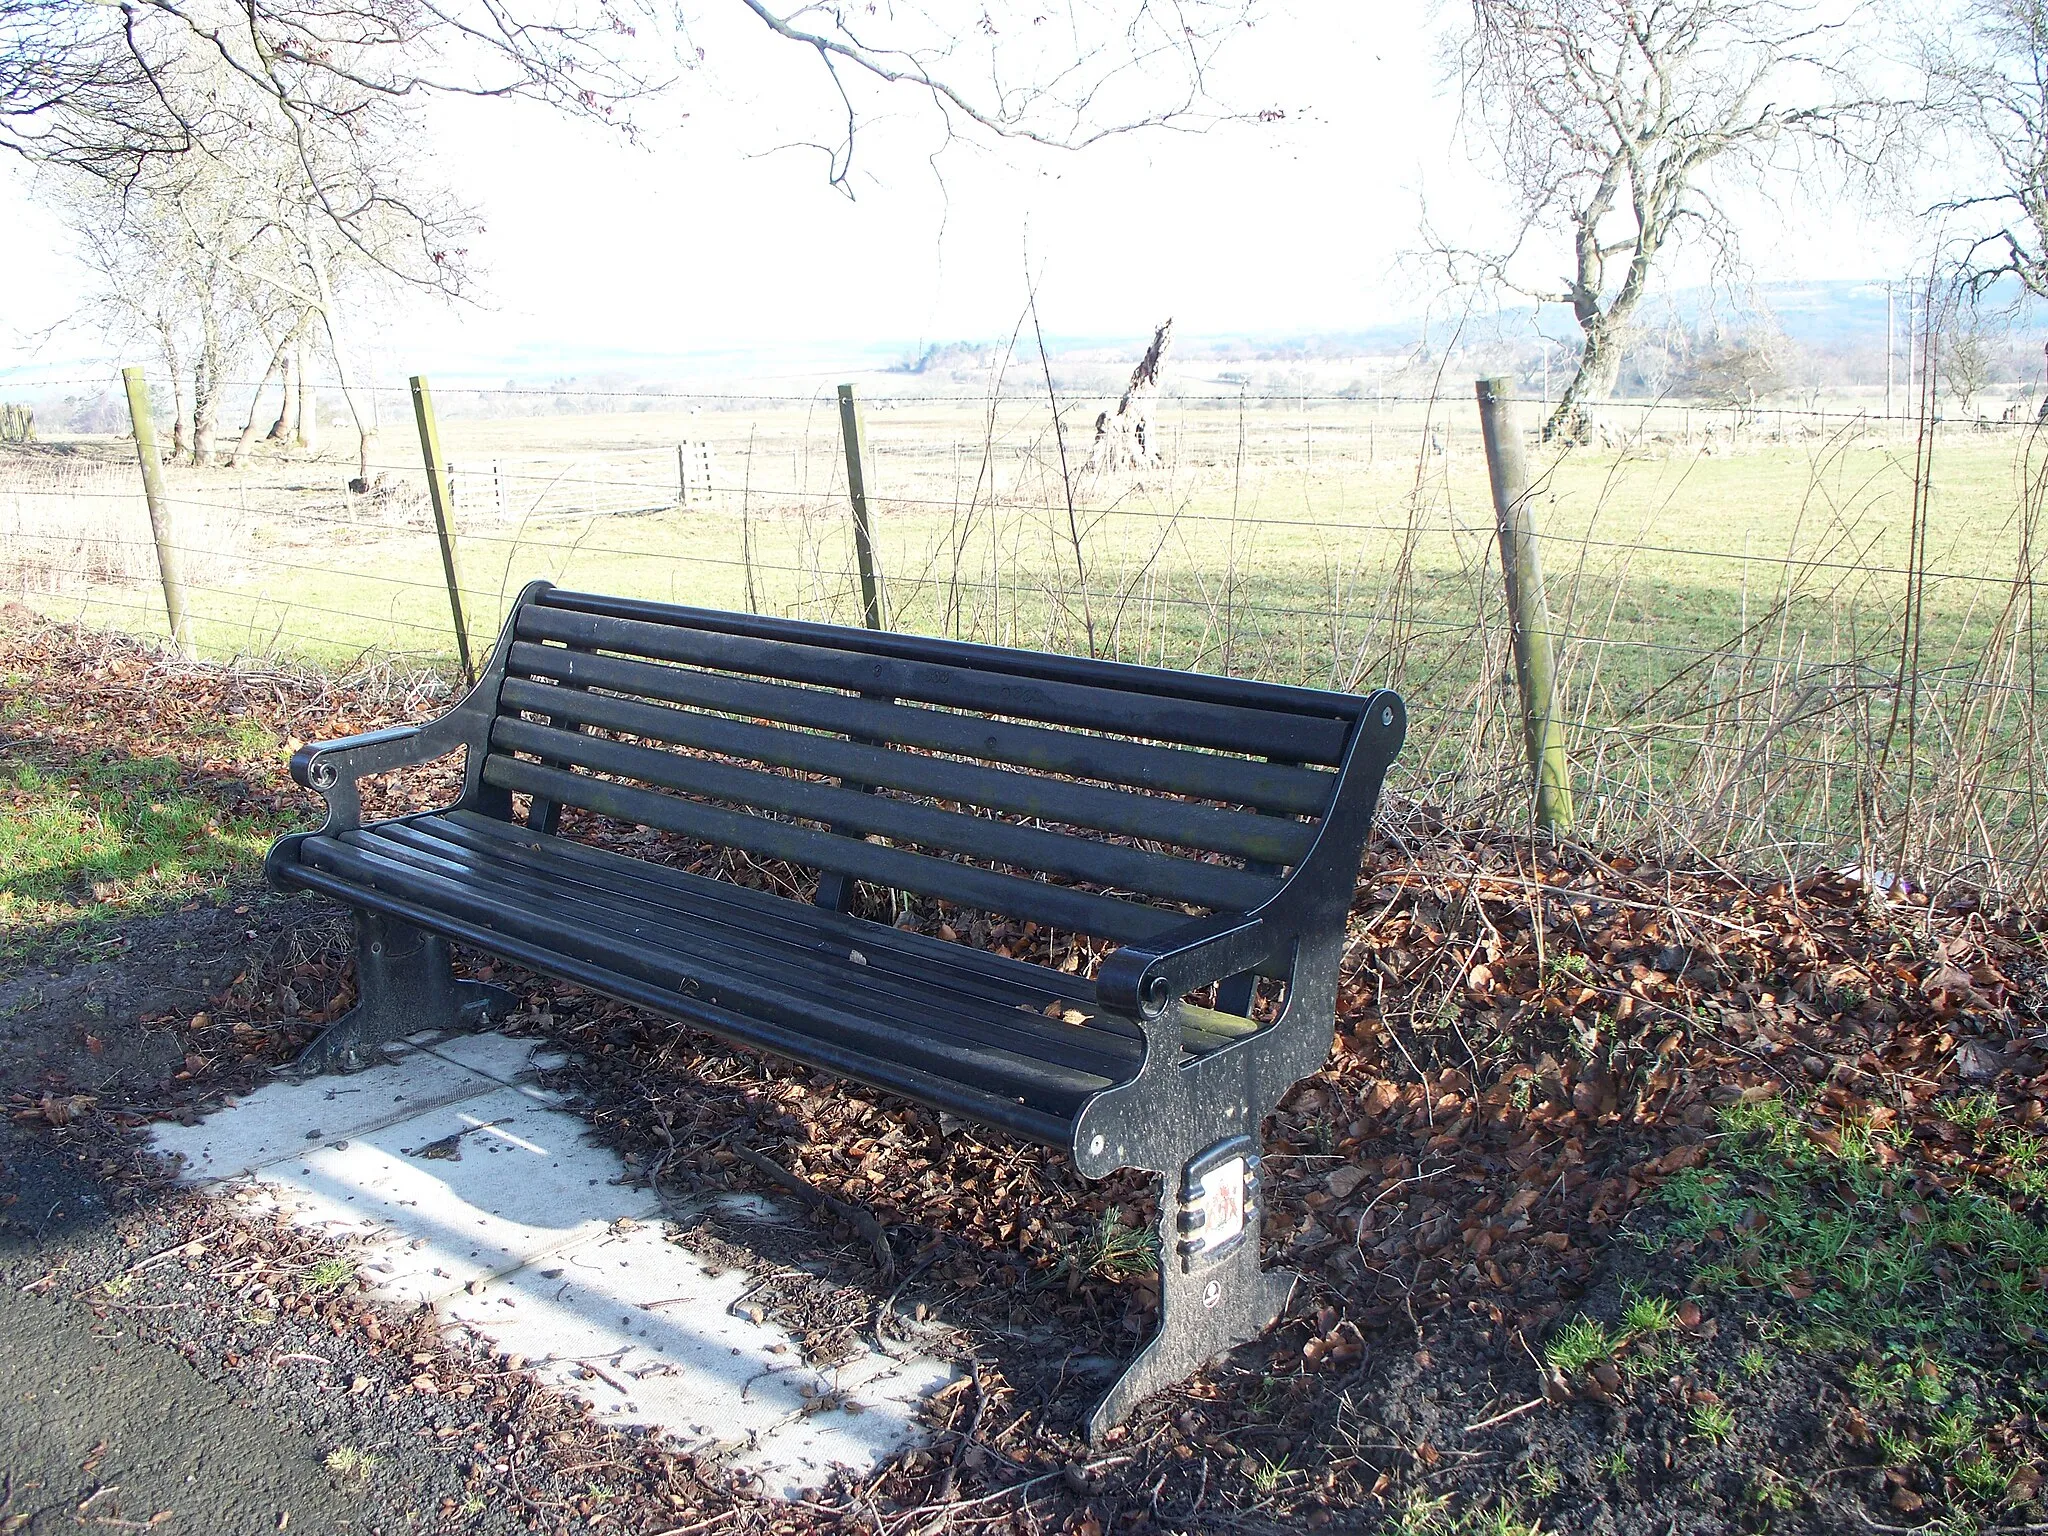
x,y
1309,545
2025,1172
1577,1344
1542,1479
1422,1515
1646,1320
1649,1315
1984,1478
1770,1490
1861,1250
1711,1421
1113,1251
1975,1110
1268,1473
349,1465
330,1274
99,835
1922,1289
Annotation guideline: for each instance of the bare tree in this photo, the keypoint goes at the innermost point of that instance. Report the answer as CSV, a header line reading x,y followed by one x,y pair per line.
x,y
1965,356
1988,74
154,286
1616,125
101,87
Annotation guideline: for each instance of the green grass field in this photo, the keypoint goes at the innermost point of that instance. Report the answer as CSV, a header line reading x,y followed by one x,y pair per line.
x,y
1729,622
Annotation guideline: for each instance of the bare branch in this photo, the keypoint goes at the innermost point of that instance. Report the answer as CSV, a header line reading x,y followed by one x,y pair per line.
x,y
1610,120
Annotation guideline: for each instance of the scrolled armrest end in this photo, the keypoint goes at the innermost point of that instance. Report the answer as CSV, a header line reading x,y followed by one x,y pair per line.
x,y
1141,980
1130,982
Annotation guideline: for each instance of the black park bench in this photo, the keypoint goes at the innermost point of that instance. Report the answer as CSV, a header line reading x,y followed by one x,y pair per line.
x,y
1209,827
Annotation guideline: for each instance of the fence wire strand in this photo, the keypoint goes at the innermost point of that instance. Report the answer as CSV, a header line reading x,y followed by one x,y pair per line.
x,y
1723,697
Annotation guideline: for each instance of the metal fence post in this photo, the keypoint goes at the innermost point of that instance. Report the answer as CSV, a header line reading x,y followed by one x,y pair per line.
x,y
168,562
437,491
874,612
1522,568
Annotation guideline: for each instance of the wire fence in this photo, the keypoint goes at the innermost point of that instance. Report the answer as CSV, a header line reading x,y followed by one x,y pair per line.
x,y
1780,643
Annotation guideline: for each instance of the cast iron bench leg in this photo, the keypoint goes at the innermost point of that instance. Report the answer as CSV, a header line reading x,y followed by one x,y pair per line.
x,y
403,985
1214,1306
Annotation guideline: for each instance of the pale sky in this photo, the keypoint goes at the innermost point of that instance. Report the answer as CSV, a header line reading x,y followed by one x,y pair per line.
x,y
707,240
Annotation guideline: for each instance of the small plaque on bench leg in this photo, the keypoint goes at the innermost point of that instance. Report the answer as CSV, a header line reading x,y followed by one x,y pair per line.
x,y
1216,1201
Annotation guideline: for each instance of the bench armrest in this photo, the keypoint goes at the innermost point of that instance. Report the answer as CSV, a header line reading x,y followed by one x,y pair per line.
x,y
1141,979
331,768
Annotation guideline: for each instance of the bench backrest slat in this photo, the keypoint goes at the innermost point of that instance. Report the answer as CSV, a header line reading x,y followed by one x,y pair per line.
x,y
1161,717
1281,789
1267,839
1056,906
863,815
971,774
1125,677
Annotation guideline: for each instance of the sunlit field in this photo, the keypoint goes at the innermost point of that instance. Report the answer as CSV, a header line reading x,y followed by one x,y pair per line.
x,y
1730,593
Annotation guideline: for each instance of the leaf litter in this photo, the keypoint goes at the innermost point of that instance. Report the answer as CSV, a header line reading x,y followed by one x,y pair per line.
x,y
1793,1130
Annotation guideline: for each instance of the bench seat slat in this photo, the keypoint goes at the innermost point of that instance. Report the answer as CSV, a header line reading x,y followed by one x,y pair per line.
x,y
1303,738
848,810
799,1045
1268,839
828,978
1281,789
726,901
1039,1082
946,967
989,890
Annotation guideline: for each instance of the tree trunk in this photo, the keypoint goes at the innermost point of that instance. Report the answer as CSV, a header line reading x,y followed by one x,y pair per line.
x,y
306,427
279,360
206,373
286,428
175,361
366,432
1593,382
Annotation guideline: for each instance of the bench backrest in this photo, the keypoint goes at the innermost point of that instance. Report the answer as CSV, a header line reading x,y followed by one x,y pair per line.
x,y
935,767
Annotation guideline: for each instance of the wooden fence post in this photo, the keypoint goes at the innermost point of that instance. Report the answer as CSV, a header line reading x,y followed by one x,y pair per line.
x,y
169,562
437,491
874,612
1529,610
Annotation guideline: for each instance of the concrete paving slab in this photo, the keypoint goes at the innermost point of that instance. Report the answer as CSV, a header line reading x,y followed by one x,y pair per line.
x,y
281,1119
498,1057
469,1190
644,1330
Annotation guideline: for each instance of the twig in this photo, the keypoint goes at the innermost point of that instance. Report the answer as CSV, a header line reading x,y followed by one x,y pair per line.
x,y
695,1526
1502,1418
172,1252
967,1436
860,1220
1004,1493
